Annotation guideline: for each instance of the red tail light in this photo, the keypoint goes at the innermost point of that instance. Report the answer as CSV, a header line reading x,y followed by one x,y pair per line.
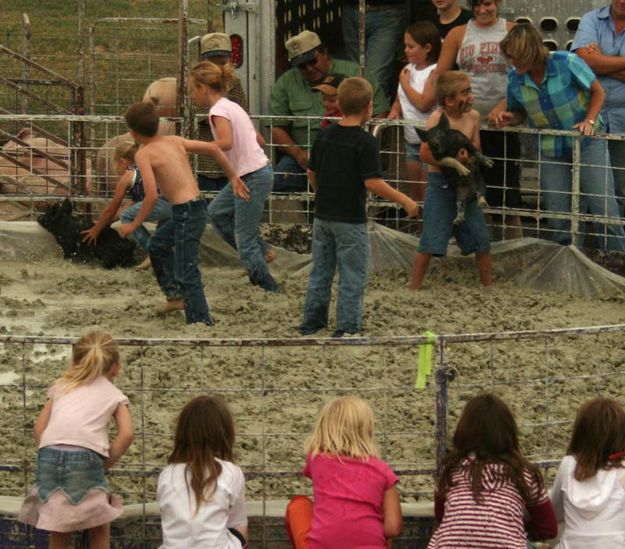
x,y
237,50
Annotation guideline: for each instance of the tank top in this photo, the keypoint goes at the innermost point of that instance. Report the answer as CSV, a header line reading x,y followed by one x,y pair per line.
x,y
480,56
135,191
409,111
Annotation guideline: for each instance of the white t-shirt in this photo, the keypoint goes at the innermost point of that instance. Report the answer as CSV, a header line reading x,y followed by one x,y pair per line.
x,y
593,510
246,155
208,528
409,111
80,417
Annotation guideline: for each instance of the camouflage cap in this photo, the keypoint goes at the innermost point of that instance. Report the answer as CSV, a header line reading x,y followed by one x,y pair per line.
x,y
215,43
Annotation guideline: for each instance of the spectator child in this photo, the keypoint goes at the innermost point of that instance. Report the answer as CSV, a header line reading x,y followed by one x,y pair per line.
x,y
449,15
488,494
329,97
589,490
453,91
235,218
356,503
71,492
130,183
344,164
201,493
422,45
174,247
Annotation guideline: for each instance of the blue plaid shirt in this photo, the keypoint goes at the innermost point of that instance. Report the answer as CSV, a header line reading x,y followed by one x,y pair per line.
x,y
559,102
597,26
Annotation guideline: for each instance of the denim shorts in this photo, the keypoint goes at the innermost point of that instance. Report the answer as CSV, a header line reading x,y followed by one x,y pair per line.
x,y
411,150
439,212
73,472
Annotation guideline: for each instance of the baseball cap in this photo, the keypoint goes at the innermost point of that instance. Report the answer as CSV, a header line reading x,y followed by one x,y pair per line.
x,y
329,84
302,47
215,43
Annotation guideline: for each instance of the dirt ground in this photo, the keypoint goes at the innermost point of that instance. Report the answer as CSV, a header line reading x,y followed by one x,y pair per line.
x,y
276,391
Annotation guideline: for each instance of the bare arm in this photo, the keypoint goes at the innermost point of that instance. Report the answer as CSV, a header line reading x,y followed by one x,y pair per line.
x,y
312,177
395,110
124,437
42,421
286,144
601,64
597,96
422,101
391,510
91,235
382,188
450,49
509,118
150,194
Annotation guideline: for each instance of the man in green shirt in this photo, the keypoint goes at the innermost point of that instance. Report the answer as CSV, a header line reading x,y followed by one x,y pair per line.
x,y
293,95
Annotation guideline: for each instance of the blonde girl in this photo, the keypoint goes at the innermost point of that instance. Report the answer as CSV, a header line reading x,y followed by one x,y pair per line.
x,y
236,215
71,492
589,491
129,184
201,493
356,503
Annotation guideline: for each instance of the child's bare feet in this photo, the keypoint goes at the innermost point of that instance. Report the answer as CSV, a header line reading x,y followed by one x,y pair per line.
x,y
144,265
171,305
270,255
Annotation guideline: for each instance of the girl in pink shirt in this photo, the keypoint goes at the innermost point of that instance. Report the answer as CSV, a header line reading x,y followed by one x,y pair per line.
x,y
236,213
356,503
71,492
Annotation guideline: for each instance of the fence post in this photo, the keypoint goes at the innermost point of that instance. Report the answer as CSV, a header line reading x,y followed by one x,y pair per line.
x,y
575,190
442,404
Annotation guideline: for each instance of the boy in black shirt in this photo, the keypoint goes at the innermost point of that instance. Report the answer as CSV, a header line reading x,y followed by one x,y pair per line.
x,y
344,163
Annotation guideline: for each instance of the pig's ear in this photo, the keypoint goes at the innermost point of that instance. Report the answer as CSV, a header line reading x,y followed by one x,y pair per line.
x,y
443,122
423,134
66,207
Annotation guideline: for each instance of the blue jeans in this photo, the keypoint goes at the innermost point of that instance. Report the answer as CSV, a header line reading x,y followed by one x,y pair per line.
x,y
207,184
289,177
383,34
160,212
346,246
617,159
596,193
238,222
74,472
174,249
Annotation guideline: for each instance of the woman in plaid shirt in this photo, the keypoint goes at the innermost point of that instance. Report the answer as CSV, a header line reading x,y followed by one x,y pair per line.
x,y
559,91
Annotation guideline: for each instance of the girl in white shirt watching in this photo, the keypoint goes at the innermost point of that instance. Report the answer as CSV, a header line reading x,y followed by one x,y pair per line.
x,y
71,492
589,490
201,493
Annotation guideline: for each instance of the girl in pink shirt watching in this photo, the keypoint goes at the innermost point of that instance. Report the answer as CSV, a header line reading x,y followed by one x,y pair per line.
x,y
356,504
71,492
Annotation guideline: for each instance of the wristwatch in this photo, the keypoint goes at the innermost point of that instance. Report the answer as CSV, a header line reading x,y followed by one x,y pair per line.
x,y
591,122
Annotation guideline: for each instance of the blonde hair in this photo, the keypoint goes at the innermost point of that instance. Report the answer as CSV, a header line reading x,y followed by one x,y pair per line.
x,y
216,77
354,95
344,428
126,150
448,84
525,45
93,355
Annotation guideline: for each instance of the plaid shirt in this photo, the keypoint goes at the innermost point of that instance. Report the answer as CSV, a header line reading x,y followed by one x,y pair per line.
x,y
205,164
559,102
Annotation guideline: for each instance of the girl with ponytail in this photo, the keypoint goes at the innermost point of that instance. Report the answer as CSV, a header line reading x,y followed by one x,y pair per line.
x,y
71,492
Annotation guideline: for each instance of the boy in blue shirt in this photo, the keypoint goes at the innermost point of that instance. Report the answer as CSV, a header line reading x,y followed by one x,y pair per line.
x,y
344,164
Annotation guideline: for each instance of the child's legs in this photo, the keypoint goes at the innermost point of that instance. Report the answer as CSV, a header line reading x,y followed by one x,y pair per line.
x,y
352,254
161,251
416,172
59,540
321,276
221,215
247,216
190,221
597,187
472,236
100,537
555,184
419,268
617,160
140,236
298,518
484,263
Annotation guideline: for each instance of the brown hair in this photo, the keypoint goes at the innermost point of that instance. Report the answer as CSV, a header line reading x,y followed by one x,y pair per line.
x,y
93,355
525,45
487,433
142,118
598,432
354,95
215,76
204,432
126,150
448,84
424,33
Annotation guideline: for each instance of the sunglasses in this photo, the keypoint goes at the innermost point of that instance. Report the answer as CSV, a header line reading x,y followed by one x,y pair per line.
x,y
310,63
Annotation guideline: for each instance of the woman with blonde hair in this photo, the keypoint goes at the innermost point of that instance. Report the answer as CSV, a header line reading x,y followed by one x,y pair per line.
x,y
71,492
356,503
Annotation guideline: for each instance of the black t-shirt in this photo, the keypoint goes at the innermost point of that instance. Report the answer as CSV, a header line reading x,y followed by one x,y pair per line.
x,y
462,19
343,157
